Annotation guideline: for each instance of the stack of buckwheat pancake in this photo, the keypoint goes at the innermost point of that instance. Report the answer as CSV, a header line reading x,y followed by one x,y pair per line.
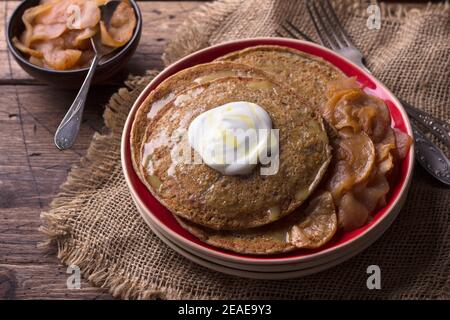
x,y
254,213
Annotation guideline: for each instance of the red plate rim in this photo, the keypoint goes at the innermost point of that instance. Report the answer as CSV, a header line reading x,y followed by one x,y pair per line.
x,y
162,216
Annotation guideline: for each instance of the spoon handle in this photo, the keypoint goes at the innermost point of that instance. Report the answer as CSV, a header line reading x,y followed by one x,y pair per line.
x,y
431,157
438,127
67,131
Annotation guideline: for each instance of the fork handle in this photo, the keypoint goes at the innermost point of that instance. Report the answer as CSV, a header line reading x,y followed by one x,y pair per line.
x,y
439,128
431,157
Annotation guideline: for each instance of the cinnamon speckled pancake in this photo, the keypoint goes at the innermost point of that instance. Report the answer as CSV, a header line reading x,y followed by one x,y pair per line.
x,y
173,85
203,195
308,75
309,227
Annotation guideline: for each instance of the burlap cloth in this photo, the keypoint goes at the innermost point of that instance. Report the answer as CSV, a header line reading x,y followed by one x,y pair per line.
x,y
94,223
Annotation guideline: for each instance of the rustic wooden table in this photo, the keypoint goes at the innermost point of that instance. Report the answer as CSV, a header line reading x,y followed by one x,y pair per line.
x,y
32,169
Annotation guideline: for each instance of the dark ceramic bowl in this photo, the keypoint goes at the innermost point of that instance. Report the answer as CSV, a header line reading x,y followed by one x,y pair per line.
x,y
71,78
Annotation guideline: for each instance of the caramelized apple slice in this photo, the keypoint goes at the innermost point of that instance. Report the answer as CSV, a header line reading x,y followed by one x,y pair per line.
x,y
386,146
374,194
101,2
85,34
318,224
57,12
344,118
76,14
403,142
78,39
330,107
47,31
352,214
22,48
341,85
28,17
36,61
90,16
365,148
122,24
359,153
374,118
354,157
341,180
60,59
385,167
56,57
350,106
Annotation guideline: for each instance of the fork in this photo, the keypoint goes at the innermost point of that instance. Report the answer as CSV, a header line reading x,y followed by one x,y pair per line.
x,y
333,35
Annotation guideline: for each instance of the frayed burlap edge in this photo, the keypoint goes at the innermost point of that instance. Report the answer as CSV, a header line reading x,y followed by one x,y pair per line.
x,y
92,172
194,33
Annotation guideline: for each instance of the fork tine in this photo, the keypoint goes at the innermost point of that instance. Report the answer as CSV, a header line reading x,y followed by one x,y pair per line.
x,y
313,19
293,31
297,30
328,22
288,31
345,37
317,21
280,34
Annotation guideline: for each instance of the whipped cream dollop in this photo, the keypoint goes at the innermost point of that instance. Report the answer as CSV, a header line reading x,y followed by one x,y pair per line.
x,y
233,137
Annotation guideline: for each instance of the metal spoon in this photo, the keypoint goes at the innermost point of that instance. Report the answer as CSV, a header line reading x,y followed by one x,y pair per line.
x,y
431,157
67,131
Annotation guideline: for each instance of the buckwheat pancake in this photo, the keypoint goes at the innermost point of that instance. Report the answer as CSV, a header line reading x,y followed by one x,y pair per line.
x,y
308,228
203,195
308,75
173,85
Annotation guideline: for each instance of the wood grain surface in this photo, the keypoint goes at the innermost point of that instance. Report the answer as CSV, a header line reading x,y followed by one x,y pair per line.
x,y
32,169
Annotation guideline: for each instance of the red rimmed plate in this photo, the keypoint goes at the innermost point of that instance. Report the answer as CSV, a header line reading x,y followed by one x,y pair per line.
x,y
274,271
245,272
343,241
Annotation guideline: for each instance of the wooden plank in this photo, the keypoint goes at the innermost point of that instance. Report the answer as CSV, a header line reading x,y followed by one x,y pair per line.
x,y
160,19
31,168
8,69
44,281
